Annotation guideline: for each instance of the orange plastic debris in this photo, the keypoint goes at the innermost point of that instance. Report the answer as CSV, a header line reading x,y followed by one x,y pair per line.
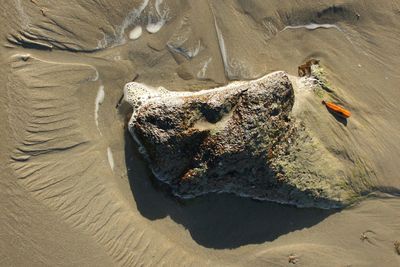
x,y
337,109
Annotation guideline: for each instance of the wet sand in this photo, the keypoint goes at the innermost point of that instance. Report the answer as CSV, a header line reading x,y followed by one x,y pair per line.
x,y
74,190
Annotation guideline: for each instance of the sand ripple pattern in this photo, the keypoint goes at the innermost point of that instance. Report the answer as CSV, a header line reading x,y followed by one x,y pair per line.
x,y
56,160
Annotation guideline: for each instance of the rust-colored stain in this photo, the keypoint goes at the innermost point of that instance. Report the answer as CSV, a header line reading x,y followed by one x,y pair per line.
x,y
337,109
305,69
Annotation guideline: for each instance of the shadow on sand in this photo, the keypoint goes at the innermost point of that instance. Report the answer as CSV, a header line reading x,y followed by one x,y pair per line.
x,y
220,221
338,117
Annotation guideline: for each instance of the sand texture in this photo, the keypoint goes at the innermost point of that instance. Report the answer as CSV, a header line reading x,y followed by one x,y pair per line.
x,y
74,189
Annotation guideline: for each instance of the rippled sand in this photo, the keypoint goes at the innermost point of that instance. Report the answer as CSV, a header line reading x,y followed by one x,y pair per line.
x,y
74,190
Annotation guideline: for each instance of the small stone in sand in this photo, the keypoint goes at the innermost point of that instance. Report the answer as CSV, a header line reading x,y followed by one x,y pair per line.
x,y
44,11
293,258
135,33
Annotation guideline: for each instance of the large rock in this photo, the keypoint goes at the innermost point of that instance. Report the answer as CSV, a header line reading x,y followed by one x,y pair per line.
x,y
239,139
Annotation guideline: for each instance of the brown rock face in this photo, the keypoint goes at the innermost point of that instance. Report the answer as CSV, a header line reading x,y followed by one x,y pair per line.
x,y
236,139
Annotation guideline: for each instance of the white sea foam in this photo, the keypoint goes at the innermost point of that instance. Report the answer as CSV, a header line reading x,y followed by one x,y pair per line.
x,y
99,101
135,33
138,94
96,75
195,51
158,3
155,26
132,17
110,158
234,67
202,72
313,26
118,36
222,48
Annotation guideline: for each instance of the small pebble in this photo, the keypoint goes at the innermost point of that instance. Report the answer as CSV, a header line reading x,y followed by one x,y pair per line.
x,y
135,33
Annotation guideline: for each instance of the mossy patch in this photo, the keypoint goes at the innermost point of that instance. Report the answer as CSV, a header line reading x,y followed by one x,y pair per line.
x,y
324,87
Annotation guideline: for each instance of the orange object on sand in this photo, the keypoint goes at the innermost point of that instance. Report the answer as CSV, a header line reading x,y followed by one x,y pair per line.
x,y
337,109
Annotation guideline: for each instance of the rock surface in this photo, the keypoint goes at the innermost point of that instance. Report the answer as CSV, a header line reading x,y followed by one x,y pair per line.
x,y
240,139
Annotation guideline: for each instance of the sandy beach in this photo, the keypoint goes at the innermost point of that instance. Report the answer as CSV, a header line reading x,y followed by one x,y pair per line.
x,y
74,189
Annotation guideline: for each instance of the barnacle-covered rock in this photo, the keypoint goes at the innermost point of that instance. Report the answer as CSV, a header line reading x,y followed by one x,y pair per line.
x,y
240,138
